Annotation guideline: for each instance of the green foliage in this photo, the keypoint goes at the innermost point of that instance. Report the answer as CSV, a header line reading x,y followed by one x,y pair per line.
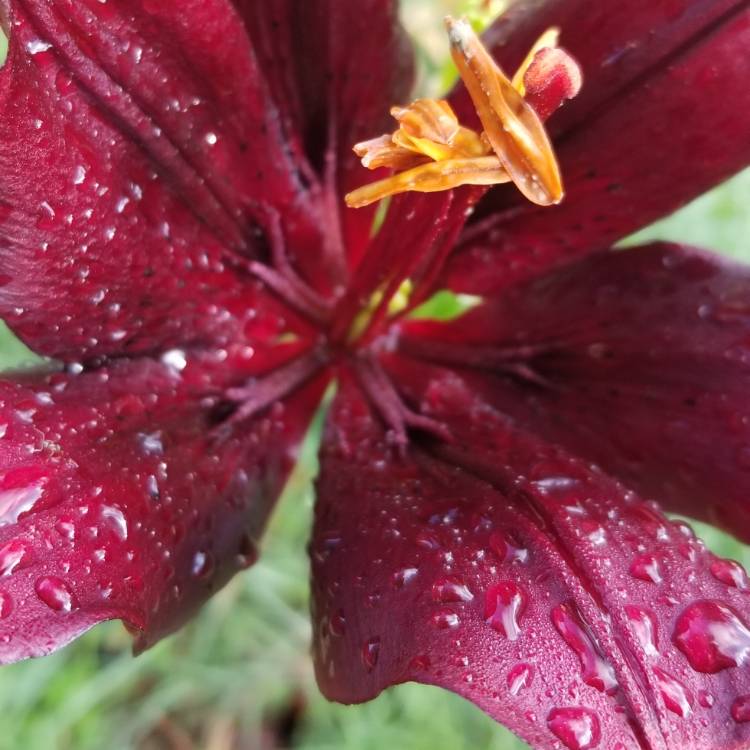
x,y
225,679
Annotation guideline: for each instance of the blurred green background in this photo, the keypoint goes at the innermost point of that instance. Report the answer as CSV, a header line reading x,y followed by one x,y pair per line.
x,y
239,677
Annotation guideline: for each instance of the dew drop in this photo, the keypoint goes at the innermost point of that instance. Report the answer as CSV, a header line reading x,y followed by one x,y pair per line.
x,y
175,359
706,699
402,577
519,678
247,554
337,624
596,672
576,728
449,590
115,518
14,502
151,443
506,551
504,604
646,568
35,46
712,637
55,593
6,605
741,709
730,573
446,620
645,628
674,694
370,653
12,556
203,564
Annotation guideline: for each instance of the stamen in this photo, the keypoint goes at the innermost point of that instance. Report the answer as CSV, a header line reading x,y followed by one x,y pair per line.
x,y
431,151
391,407
513,128
260,393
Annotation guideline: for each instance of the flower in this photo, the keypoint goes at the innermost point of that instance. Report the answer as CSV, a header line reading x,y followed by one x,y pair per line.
x,y
172,231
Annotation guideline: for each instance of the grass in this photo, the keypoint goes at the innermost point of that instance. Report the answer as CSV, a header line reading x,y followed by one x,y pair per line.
x,y
241,670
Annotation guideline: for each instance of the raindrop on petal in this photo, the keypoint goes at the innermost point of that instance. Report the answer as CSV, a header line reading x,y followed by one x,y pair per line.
x,y
370,653
504,604
674,694
576,728
712,637
55,593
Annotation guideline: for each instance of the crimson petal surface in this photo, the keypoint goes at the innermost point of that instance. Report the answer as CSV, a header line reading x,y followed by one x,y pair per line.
x,y
121,497
644,367
524,579
334,69
130,160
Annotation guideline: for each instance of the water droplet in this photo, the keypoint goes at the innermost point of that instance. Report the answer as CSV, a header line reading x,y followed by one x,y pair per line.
x,y
337,624
55,593
741,709
35,46
370,653
674,694
174,358
596,672
445,620
730,573
576,728
519,678
402,577
16,501
247,553
645,628
115,518
646,568
79,175
712,637
6,605
12,556
151,443
706,699
448,590
203,564
505,550
504,604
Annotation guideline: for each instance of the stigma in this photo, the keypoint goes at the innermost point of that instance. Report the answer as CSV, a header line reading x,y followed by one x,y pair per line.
x,y
431,151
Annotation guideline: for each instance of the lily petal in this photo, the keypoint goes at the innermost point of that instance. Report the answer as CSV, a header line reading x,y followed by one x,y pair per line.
x,y
120,498
663,116
335,69
128,172
507,571
643,367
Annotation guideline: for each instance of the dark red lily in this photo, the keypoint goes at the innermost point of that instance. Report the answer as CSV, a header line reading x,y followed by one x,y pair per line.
x,y
172,230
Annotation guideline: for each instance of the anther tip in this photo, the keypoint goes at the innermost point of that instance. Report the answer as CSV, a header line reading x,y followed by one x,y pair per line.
x,y
459,31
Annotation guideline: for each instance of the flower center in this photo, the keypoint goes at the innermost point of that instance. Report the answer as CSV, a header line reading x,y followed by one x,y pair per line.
x,y
431,151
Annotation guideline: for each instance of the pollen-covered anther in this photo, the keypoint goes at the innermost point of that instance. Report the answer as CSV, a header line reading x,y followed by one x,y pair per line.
x,y
431,151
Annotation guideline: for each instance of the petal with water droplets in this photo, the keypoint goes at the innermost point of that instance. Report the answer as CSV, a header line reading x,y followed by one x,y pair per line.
x,y
564,644
118,529
134,238
637,359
